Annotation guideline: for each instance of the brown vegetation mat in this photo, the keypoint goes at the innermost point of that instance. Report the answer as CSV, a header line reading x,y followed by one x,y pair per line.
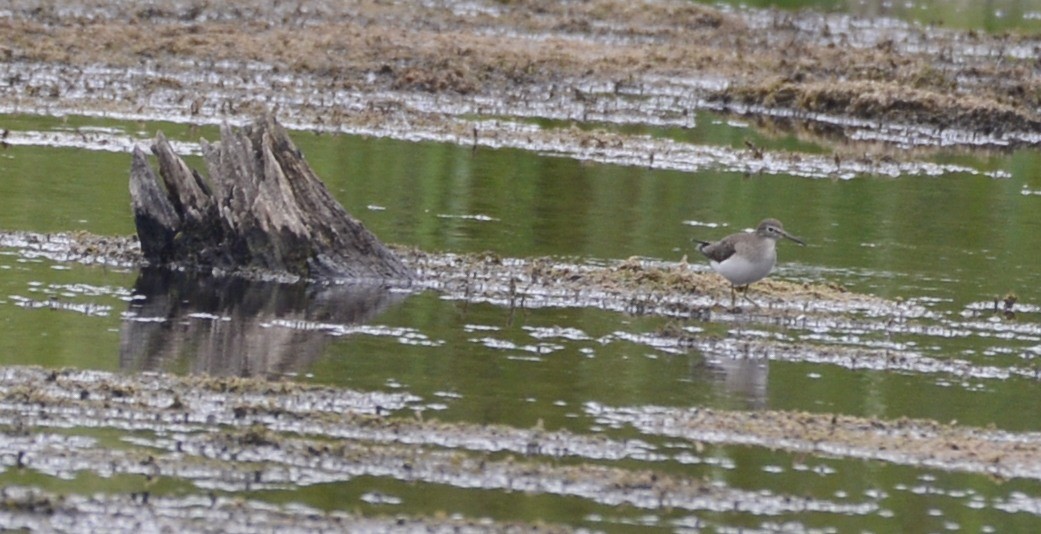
x,y
575,58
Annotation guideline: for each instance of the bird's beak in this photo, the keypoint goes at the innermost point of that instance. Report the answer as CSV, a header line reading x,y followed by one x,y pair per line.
x,y
793,238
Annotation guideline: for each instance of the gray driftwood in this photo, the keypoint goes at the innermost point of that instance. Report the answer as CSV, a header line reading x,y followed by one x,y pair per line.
x,y
262,209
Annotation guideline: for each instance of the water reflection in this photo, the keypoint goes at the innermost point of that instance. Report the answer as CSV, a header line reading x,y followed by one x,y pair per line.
x,y
991,16
230,326
743,378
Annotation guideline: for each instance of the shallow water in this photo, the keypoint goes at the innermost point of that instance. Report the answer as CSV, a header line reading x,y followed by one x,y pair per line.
x,y
947,245
994,16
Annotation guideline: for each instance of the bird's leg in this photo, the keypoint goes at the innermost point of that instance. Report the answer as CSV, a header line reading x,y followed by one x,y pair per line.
x,y
745,296
733,296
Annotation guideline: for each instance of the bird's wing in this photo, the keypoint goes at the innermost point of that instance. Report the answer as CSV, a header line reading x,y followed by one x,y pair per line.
x,y
718,251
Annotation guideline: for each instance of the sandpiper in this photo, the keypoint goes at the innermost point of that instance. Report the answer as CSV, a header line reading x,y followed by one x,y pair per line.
x,y
746,257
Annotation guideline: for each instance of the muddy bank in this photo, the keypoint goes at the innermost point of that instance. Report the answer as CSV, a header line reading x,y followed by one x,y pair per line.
x,y
236,435
805,322
640,287
244,436
34,509
225,419
796,322
440,72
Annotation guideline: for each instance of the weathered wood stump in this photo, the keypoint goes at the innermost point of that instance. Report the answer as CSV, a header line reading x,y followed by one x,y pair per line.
x,y
262,210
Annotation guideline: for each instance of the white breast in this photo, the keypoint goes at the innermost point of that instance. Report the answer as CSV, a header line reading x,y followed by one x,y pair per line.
x,y
739,271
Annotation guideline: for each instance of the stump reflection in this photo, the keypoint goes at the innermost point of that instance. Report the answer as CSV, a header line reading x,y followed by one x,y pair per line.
x,y
230,326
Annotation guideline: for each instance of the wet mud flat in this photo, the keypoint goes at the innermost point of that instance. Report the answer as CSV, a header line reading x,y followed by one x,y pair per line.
x,y
231,438
489,74
479,73
808,322
255,434
236,435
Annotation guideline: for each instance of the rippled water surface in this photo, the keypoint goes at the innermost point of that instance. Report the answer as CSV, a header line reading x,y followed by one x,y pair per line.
x,y
993,16
947,245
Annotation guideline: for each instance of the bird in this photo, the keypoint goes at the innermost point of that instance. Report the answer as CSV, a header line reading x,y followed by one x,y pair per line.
x,y
746,257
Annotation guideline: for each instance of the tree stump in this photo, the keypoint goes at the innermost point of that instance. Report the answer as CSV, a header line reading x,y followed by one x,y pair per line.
x,y
262,210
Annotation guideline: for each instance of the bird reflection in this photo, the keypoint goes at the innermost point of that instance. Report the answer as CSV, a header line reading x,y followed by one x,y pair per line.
x,y
228,326
745,378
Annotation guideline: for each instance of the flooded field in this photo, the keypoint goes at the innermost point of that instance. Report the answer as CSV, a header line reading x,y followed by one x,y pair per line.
x,y
565,358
